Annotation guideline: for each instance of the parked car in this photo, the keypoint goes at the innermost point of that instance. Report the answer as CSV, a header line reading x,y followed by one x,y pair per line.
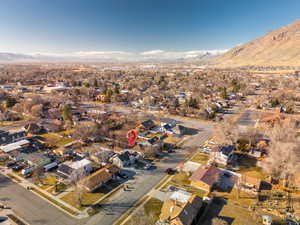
x,y
10,164
205,150
170,171
147,166
2,219
124,176
28,175
27,170
18,168
173,188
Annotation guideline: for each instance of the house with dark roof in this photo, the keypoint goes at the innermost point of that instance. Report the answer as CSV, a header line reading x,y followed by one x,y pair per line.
x,y
206,177
147,124
7,137
33,128
125,159
64,171
222,155
184,211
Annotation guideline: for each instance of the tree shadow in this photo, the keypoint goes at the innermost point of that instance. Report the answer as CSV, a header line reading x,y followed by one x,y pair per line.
x,y
214,210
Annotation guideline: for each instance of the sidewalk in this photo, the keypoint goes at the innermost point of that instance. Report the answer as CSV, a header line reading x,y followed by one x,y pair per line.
x,y
26,184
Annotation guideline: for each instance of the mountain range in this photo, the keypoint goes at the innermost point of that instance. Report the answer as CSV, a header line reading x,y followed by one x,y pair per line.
x,y
279,47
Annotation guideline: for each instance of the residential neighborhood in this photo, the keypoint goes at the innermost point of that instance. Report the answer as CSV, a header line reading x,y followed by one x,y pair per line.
x,y
157,112
83,154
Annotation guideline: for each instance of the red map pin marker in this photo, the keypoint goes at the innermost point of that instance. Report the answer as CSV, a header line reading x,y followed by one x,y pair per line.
x,y
131,137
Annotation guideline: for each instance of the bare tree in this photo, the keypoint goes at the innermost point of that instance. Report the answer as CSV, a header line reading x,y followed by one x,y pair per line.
x,y
283,153
282,160
37,174
78,183
226,133
85,131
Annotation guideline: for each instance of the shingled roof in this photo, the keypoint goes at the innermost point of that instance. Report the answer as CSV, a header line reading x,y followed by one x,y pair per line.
x,y
185,212
207,174
92,181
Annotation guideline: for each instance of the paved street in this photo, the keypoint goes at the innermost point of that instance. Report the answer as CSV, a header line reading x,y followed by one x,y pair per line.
x,y
248,118
32,208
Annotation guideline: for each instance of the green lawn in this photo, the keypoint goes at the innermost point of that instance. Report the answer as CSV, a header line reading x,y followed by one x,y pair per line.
x,y
56,139
153,208
239,215
200,158
88,199
182,180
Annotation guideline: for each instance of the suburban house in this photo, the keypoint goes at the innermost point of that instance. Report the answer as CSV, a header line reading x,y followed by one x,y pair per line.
x,y
102,155
84,165
206,177
33,128
182,208
125,158
37,159
166,128
100,177
66,169
15,146
147,125
7,137
222,155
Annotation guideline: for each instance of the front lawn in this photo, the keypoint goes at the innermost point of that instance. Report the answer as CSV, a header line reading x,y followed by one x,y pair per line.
x,y
238,215
56,139
200,158
242,198
181,178
88,199
153,208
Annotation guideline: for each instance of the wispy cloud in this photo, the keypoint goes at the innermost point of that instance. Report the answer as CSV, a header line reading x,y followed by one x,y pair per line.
x,y
156,54
152,52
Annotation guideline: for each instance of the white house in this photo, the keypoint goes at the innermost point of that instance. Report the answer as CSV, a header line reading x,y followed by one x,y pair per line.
x,y
84,164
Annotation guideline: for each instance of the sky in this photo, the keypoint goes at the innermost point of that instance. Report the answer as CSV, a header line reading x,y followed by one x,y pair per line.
x,y
137,27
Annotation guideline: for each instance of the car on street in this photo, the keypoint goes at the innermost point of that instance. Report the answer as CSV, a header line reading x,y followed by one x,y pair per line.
x,y
17,168
10,164
170,171
2,219
205,150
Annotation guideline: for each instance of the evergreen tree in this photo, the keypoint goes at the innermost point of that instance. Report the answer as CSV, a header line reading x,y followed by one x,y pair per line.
x,y
10,102
66,113
95,82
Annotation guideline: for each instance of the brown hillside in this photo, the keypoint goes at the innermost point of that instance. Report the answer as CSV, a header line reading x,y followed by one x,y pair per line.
x,y
276,48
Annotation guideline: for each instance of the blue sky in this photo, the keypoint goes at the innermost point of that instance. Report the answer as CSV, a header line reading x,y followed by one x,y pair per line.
x,y
61,26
